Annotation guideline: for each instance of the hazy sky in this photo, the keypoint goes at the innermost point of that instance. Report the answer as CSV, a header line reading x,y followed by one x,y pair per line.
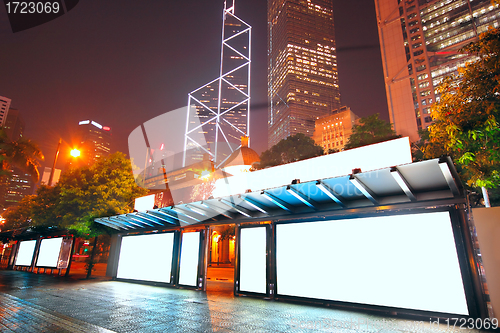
x,y
124,62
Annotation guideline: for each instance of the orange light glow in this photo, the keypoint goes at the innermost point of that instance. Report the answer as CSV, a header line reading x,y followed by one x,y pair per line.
x,y
75,152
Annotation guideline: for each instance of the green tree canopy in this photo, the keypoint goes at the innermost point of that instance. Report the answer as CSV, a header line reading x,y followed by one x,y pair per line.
x,y
105,188
467,114
370,130
294,148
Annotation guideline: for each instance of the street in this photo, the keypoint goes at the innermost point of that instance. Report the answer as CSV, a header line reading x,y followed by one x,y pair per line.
x,y
48,303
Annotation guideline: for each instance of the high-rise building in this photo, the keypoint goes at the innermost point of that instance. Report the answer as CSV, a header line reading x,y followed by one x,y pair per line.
x,y
419,42
333,130
302,66
20,182
4,109
14,125
218,112
95,140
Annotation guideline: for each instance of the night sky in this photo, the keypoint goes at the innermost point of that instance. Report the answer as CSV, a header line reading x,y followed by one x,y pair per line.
x,y
124,62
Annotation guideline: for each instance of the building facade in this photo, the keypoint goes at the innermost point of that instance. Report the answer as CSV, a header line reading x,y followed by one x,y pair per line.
x,y
332,131
419,42
302,66
20,182
4,109
95,140
14,125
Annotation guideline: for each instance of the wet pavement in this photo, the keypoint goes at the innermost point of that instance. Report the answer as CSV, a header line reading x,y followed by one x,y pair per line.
x,y
44,303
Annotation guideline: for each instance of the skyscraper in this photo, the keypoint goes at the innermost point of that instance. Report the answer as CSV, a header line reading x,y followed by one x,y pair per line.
x,y
218,112
20,182
302,66
4,109
419,42
14,125
95,140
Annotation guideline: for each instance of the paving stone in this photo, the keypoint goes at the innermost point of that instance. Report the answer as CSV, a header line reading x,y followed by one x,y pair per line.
x,y
43,303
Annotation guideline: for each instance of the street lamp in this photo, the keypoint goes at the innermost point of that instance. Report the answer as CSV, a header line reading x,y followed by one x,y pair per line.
x,y
75,152
51,177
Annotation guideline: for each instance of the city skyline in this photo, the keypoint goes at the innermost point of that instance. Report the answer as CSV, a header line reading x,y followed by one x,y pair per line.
x,y
121,66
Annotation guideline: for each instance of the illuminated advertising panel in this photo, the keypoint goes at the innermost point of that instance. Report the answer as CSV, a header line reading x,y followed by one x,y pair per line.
x,y
25,253
146,257
48,255
190,253
403,261
253,260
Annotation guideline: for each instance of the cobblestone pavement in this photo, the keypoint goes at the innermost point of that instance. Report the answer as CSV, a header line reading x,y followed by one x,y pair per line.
x,y
43,303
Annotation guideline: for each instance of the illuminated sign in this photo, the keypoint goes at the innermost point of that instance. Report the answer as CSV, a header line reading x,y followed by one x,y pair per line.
x,y
253,260
49,252
403,261
144,203
99,126
190,249
146,257
367,158
25,253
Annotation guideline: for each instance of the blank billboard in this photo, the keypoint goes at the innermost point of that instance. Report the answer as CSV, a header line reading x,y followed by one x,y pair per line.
x,y
190,253
25,253
403,261
49,252
146,257
253,260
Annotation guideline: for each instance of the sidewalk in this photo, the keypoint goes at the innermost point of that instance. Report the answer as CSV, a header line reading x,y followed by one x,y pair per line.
x,y
44,303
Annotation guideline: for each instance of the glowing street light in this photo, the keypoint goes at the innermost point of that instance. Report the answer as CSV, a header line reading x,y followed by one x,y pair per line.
x,y
75,153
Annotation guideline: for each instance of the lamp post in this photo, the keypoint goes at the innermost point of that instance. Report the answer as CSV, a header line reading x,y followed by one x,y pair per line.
x,y
51,177
74,153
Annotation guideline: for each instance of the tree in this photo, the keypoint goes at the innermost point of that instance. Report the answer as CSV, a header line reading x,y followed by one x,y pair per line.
x,y
105,188
370,130
294,148
19,216
23,153
467,114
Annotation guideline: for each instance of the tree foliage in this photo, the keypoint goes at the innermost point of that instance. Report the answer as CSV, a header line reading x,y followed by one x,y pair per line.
x,y
105,188
294,148
23,153
370,130
467,114
19,216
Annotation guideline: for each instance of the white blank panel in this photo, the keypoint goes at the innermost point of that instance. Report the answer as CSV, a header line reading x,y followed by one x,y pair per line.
x,y
404,261
146,257
48,255
253,260
190,253
25,253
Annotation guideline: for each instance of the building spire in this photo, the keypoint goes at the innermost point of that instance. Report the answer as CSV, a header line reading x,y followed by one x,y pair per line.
x,y
231,8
